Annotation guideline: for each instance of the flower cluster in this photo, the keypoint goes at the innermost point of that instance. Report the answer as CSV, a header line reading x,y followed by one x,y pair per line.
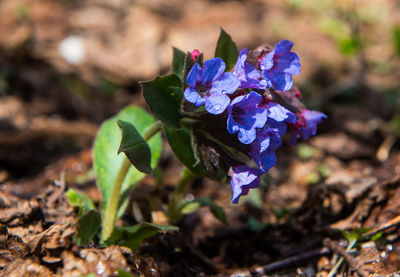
x,y
253,116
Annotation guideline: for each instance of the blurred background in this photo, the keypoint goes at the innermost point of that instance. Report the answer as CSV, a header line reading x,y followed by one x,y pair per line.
x,y
66,65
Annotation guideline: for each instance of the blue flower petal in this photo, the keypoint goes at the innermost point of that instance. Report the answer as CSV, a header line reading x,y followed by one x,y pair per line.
x,y
280,80
212,69
194,75
248,75
312,118
231,126
192,96
288,63
283,46
243,178
268,159
264,144
278,66
245,116
246,136
226,83
278,112
267,61
280,126
240,63
251,72
216,104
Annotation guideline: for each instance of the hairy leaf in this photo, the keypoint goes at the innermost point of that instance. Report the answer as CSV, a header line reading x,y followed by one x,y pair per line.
x,y
106,160
164,97
88,225
226,49
135,147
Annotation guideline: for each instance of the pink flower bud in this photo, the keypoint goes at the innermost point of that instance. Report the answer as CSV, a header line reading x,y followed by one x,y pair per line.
x,y
195,53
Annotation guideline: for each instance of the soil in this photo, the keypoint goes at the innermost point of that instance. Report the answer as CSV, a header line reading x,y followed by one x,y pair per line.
x,y
345,178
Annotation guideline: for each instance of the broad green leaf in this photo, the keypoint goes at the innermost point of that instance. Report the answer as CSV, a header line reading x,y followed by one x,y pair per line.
x,y
215,209
181,143
79,200
135,147
178,62
226,50
106,160
189,207
88,225
164,97
132,236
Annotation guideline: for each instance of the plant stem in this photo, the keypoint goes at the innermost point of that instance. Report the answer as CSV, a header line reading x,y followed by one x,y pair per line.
x,y
173,213
335,268
112,207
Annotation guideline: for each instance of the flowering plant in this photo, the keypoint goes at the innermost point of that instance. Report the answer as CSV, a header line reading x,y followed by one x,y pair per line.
x,y
256,101
223,118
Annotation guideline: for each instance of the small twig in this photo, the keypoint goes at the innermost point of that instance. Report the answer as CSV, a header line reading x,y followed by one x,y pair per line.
x,y
289,262
384,226
345,256
59,193
384,150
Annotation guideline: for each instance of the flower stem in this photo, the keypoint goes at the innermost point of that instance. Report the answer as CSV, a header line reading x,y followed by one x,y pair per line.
x,y
110,214
173,212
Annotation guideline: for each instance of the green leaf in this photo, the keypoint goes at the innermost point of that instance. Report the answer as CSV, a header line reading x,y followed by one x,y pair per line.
x,y
255,224
135,147
215,209
305,151
355,235
132,236
226,50
349,45
106,160
79,200
178,62
396,39
90,275
164,97
87,225
181,143
189,207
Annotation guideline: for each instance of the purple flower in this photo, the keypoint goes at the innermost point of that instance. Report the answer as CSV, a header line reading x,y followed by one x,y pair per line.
x,y
243,178
209,86
278,66
306,124
244,116
267,140
248,75
279,113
